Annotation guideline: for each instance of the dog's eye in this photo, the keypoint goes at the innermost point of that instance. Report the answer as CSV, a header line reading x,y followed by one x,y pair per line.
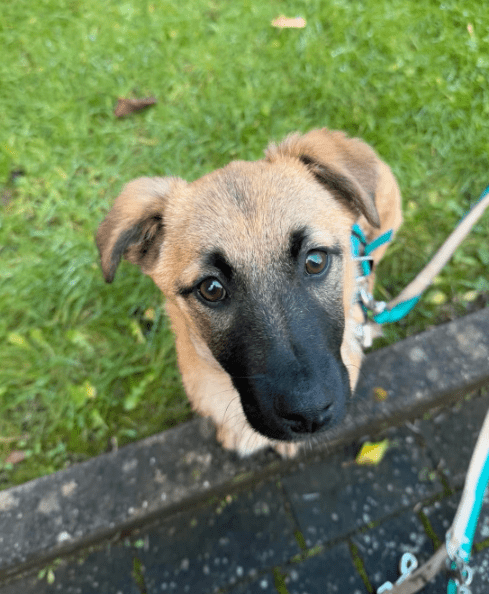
x,y
316,261
212,290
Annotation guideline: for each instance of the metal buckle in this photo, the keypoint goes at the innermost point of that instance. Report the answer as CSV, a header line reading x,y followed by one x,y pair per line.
x,y
460,572
365,298
407,565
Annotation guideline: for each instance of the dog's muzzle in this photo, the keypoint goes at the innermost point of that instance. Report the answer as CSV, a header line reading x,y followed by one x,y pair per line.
x,y
289,409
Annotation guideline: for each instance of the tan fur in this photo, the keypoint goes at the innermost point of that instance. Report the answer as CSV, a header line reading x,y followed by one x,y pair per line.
x,y
176,221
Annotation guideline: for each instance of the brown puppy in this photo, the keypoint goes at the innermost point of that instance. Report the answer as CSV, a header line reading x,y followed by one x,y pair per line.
x,y
254,261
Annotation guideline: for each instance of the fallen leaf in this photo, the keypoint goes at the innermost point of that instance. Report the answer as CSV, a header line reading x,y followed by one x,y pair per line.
x,y
470,296
16,339
438,298
372,453
380,394
125,106
15,457
283,22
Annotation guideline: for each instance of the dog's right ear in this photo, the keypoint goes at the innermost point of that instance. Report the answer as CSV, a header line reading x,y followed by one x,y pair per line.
x,y
348,167
134,227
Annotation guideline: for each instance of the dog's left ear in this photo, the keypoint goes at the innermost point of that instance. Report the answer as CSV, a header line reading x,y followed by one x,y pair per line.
x,y
348,167
134,228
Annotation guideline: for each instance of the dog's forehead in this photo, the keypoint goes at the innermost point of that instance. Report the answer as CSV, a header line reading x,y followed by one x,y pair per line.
x,y
257,206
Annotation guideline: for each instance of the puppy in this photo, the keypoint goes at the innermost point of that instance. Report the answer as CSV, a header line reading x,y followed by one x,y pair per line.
x,y
255,263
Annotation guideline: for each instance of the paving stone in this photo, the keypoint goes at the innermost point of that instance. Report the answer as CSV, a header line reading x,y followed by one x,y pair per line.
x,y
381,549
442,513
107,571
216,547
263,585
423,371
451,442
99,496
334,497
58,513
329,572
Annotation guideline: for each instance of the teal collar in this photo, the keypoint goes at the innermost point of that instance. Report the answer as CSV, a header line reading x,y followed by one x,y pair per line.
x,y
361,248
361,252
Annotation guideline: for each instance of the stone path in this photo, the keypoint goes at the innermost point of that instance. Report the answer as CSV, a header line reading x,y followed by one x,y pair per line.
x,y
327,526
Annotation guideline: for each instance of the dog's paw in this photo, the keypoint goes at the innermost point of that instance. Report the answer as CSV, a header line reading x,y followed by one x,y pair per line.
x,y
246,442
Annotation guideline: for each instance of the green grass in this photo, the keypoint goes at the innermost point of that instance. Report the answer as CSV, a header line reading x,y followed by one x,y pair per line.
x,y
84,365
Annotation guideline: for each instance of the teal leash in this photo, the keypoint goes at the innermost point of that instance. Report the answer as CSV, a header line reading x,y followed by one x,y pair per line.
x,y
361,251
398,308
460,537
454,555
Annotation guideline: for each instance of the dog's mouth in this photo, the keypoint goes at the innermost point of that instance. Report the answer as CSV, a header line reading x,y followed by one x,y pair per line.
x,y
294,414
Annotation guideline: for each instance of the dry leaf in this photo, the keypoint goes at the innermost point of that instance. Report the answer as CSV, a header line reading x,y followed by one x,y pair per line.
x,y
15,457
283,22
125,106
372,453
380,394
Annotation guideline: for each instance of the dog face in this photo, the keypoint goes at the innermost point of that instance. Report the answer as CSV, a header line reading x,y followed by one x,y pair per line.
x,y
254,261
264,291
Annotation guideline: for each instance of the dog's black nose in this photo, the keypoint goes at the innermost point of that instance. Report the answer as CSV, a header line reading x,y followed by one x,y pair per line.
x,y
302,420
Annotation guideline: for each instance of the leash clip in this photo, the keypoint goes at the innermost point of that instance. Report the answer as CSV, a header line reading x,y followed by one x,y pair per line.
x,y
407,566
366,298
460,572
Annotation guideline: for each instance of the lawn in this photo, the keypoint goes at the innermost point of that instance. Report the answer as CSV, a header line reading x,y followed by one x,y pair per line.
x,y
86,367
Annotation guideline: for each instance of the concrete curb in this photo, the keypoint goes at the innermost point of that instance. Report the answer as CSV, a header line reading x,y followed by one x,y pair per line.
x,y
175,469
